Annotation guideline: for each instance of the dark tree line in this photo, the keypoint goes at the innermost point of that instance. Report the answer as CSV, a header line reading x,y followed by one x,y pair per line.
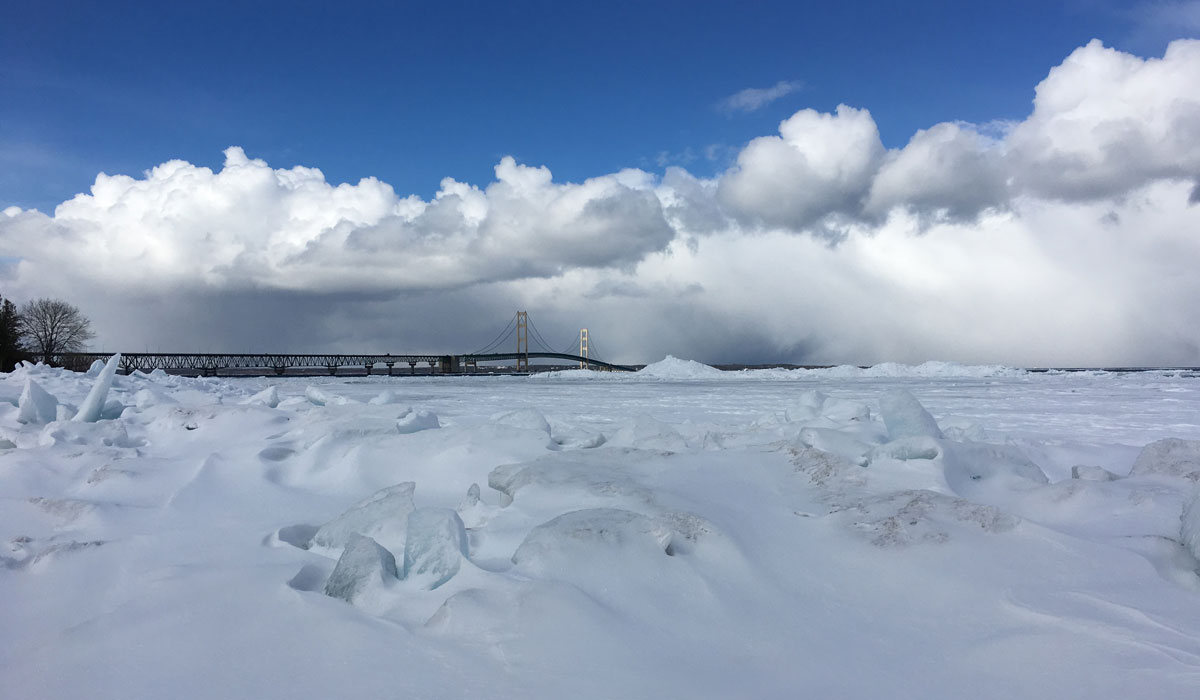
x,y
39,329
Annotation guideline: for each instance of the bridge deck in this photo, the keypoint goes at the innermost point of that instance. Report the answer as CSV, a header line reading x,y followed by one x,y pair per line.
x,y
210,363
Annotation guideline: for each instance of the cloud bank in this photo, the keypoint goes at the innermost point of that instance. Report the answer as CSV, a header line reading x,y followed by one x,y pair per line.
x,y
1067,238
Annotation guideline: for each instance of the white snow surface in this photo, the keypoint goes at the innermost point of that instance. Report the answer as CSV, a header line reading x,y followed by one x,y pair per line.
x,y
771,534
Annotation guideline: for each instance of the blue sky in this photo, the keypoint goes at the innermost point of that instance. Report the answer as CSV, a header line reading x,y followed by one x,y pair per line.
x,y
1013,183
411,92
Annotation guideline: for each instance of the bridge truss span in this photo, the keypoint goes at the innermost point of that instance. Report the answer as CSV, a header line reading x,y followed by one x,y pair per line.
x,y
279,363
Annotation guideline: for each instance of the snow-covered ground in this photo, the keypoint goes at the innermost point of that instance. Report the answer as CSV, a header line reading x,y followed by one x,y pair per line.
x,y
929,532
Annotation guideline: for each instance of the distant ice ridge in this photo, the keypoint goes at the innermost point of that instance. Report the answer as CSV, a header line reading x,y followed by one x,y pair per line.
x,y
931,369
675,369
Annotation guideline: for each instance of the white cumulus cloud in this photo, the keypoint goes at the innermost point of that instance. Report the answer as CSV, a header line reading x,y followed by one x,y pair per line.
x,y
1065,238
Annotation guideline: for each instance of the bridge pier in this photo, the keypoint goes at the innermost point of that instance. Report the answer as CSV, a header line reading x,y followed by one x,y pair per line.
x,y
279,370
369,366
332,369
389,366
412,367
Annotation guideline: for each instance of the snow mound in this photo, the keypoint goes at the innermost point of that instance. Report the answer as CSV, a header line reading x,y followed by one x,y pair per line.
x,y
905,417
1171,457
648,433
362,572
592,539
435,546
585,478
36,404
911,517
383,516
525,418
986,472
676,369
416,421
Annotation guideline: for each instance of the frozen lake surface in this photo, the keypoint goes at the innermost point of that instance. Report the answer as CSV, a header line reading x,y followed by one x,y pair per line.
x,y
929,532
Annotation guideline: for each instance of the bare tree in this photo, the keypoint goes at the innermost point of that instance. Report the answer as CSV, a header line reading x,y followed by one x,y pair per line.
x,y
51,326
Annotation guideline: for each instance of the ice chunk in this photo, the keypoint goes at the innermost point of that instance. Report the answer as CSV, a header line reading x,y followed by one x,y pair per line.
x,y
315,396
416,421
93,405
835,441
383,516
96,368
36,405
268,397
112,410
1171,457
905,449
363,569
904,416
845,410
1087,473
473,511
472,499
1190,524
807,407
435,546
526,418
383,398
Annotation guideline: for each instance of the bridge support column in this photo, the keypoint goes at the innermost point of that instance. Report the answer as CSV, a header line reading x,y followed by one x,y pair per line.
x,y
369,366
433,366
279,370
332,369
389,366
412,367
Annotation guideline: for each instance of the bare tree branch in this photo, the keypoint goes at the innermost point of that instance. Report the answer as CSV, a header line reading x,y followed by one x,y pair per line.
x,y
51,326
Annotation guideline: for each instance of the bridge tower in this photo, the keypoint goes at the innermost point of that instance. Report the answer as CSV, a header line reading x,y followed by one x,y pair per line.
x,y
522,341
583,347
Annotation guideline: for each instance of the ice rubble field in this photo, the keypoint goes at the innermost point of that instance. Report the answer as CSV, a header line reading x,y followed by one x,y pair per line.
x,y
928,532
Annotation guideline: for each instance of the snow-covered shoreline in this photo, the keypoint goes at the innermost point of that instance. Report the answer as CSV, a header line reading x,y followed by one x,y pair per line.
x,y
897,532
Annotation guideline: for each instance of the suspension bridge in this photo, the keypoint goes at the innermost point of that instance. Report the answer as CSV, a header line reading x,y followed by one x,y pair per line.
x,y
583,355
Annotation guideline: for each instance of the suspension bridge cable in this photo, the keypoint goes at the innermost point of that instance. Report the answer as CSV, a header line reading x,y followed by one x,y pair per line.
x,y
500,338
592,346
499,341
572,346
538,337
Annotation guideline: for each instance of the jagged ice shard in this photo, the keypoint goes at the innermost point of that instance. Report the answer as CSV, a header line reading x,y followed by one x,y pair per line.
x,y
93,405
